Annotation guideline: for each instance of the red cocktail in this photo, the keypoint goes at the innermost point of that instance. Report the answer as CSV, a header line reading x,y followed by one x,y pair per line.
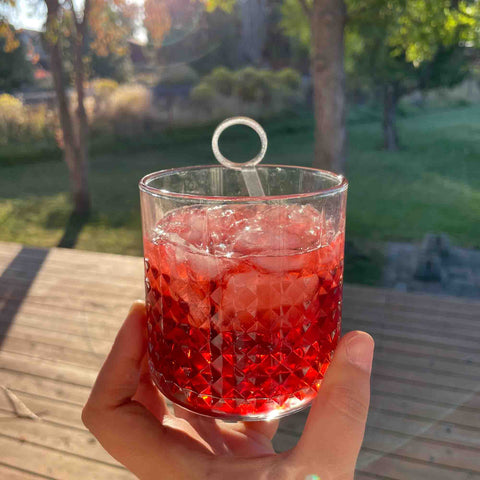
x,y
244,306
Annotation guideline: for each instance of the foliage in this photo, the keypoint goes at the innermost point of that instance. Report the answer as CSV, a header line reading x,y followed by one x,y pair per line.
x,y
15,68
248,87
11,117
126,110
203,95
388,41
440,198
249,84
103,87
290,78
114,65
19,123
221,80
294,21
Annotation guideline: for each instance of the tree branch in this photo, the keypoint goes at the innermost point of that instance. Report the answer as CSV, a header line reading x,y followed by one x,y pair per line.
x,y
306,8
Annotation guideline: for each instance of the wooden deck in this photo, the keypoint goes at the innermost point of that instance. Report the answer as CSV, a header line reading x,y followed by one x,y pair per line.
x,y
60,310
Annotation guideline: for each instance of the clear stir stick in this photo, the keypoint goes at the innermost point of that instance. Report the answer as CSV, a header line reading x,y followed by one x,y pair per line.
x,y
249,172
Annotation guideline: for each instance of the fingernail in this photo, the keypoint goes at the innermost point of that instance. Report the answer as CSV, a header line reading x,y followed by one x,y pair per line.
x,y
360,351
137,305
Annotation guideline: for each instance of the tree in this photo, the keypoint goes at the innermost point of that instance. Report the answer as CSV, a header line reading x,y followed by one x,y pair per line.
x,y
403,45
320,24
15,68
67,24
387,43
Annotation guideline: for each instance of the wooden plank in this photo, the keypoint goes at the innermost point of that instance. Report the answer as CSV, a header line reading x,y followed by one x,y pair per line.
x,y
48,369
52,296
60,339
9,473
429,306
446,366
396,467
458,383
69,256
121,274
402,468
427,409
422,449
380,325
90,329
391,344
423,339
411,300
80,315
75,441
381,424
84,328
52,463
410,320
405,426
40,350
72,286
44,387
417,390
46,408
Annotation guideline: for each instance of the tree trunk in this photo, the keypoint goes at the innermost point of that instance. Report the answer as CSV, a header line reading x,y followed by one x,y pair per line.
x,y
328,23
74,139
390,100
81,193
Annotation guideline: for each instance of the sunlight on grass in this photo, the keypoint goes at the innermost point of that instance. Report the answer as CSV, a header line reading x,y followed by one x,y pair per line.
x,y
431,185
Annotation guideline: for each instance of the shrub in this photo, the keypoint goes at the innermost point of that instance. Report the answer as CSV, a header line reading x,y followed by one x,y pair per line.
x,y
128,108
221,80
290,78
103,87
249,84
12,118
203,95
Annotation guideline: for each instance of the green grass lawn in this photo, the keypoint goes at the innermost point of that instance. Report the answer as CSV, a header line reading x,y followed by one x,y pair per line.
x,y
432,185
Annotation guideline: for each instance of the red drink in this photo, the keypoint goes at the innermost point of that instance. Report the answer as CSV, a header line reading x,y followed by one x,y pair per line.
x,y
244,306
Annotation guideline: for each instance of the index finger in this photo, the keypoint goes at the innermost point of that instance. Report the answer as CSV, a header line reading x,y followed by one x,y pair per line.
x,y
119,377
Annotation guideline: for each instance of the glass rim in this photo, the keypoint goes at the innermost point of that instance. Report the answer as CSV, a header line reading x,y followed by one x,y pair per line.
x,y
144,186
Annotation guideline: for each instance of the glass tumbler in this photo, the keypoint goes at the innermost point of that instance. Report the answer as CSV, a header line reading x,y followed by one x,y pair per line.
x,y
243,294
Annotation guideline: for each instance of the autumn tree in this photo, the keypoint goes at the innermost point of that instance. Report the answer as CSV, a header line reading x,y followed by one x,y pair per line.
x,y
104,21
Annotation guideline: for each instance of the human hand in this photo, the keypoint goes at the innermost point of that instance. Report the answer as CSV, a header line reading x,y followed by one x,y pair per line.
x,y
130,418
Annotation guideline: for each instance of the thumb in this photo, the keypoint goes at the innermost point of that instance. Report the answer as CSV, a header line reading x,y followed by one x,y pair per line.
x,y
335,426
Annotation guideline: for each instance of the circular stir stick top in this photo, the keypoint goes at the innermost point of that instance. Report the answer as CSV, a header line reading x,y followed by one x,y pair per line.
x,y
239,121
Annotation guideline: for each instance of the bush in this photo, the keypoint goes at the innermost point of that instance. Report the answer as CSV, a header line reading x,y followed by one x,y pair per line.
x,y
249,84
221,80
203,95
127,110
248,91
290,78
103,87
12,118
24,123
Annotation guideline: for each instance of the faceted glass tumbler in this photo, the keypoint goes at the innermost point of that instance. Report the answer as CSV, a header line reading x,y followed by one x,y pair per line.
x,y
243,294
